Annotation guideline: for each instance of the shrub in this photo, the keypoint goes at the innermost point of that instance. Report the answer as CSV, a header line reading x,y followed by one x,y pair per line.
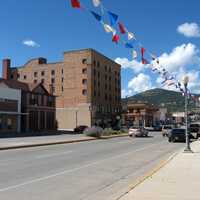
x,y
94,131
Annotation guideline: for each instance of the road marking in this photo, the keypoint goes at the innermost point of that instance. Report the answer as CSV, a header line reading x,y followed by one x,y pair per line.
x,y
74,169
52,155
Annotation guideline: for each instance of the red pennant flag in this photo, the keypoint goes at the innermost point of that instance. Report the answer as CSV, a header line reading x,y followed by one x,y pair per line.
x,y
144,61
142,51
115,38
75,3
122,28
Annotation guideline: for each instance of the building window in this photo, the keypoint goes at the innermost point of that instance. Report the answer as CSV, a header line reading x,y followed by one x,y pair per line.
x,y
25,77
98,74
62,79
94,63
52,72
18,76
109,69
84,70
106,77
94,72
42,81
52,80
95,93
106,68
98,84
106,86
62,71
84,61
84,92
62,88
35,74
106,97
84,81
42,73
11,76
35,81
98,64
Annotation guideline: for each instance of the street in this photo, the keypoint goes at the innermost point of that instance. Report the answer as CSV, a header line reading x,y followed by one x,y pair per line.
x,y
101,169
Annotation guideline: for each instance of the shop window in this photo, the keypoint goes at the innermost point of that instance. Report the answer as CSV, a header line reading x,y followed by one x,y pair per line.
x,y
9,123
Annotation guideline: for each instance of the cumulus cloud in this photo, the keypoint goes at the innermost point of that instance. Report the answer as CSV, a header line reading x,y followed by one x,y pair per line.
x,y
140,83
181,56
189,29
134,64
30,43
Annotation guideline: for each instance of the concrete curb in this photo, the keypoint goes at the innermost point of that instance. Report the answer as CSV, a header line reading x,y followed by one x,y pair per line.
x,y
113,136
57,142
151,173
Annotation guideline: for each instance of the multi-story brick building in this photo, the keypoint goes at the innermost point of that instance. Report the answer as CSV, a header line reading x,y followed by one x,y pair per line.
x,y
86,83
25,107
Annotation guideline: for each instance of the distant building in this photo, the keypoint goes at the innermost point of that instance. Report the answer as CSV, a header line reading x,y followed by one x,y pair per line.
x,y
87,86
25,107
140,114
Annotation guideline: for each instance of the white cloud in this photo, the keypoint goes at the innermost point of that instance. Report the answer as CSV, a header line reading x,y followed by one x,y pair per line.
x,y
134,64
30,43
181,56
140,83
189,29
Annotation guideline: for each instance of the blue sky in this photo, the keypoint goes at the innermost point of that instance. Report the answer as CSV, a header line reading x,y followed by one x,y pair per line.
x,y
56,27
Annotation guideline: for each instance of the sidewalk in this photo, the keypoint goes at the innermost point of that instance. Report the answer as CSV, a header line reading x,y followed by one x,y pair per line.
x,y
23,142
178,179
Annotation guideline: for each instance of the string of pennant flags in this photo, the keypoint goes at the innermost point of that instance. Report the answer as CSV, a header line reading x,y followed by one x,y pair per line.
x,y
121,35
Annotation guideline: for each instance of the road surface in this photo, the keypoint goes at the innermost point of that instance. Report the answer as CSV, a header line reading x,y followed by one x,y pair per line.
x,y
100,170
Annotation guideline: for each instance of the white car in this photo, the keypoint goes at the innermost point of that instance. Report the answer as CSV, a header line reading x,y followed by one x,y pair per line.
x,y
137,132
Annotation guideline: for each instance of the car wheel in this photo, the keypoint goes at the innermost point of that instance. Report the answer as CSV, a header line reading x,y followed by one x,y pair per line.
x,y
169,140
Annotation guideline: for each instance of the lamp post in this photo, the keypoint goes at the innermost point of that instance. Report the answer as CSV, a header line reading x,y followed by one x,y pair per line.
x,y
185,82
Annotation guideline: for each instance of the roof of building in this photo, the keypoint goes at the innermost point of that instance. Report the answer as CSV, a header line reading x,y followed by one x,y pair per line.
x,y
29,87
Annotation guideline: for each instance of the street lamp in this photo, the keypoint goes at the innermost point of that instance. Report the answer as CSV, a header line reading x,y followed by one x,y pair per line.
x,y
185,82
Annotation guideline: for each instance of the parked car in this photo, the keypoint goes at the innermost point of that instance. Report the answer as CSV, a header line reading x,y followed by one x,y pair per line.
x,y
195,129
178,135
157,128
138,132
80,129
166,130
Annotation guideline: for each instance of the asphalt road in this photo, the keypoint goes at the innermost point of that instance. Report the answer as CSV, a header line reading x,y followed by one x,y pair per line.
x,y
100,170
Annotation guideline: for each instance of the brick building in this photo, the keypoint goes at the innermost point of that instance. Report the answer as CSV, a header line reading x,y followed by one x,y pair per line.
x,y
87,86
25,107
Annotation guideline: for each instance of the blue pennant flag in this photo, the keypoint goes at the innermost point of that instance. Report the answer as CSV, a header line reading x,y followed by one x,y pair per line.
x,y
97,16
113,18
129,45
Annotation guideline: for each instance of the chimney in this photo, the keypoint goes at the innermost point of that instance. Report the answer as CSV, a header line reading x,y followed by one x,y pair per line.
x,y
6,68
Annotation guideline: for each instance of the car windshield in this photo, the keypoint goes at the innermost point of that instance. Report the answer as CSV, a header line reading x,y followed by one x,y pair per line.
x,y
178,131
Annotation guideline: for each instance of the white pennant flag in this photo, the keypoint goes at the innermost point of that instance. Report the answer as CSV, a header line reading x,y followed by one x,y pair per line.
x,y
131,36
109,29
96,3
134,54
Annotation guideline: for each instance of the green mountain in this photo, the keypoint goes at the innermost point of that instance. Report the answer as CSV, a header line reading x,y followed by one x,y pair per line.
x,y
173,101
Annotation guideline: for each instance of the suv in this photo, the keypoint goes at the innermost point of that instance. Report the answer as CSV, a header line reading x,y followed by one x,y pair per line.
x,y
195,129
166,130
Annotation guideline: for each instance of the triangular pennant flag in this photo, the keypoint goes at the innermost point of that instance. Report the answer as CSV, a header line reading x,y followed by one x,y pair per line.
x,y
113,18
75,3
122,28
134,54
129,45
108,28
144,61
96,3
130,36
142,51
97,16
115,38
